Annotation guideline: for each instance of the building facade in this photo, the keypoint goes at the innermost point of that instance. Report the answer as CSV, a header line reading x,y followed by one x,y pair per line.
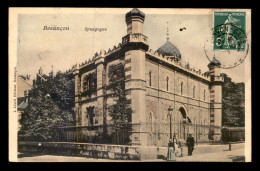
x,y
24,85
154,81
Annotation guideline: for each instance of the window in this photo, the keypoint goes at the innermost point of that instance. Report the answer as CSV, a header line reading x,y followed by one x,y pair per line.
x,y
204,95
167,83
151,120
204,130
211,78
90,82
86,83
150,78
181,88
194,89
194,123
90,114
25,93
94,82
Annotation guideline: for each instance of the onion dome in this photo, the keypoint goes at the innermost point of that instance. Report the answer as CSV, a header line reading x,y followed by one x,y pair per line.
x,y
134,13
168,49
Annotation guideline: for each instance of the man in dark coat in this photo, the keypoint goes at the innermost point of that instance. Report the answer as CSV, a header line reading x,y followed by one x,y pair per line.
x,y
190,144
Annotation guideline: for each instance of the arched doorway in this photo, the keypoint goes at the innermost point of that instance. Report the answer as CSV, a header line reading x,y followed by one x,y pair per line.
x,y
183,122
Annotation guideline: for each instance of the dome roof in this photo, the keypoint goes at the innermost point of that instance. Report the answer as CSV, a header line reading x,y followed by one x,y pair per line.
x,y
215,62
168,49
135,12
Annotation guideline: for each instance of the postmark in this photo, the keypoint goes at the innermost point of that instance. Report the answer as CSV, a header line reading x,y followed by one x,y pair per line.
x,y
229,40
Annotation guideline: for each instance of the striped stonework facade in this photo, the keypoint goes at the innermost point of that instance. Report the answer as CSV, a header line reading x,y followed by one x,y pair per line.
x,y
153,83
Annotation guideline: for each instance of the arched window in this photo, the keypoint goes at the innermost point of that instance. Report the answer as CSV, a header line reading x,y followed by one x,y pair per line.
x,y
194,123
181,88
151,120
194,89
167,83
204,95
150,78
204,130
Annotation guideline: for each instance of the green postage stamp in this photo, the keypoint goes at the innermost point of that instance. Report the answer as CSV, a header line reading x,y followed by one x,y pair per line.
x,y
229,30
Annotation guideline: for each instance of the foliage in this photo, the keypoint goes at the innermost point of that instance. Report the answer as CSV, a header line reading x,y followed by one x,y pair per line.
x,y
120,112
233,103
51,105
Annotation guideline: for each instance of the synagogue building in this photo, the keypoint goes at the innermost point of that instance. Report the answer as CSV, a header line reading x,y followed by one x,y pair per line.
x,y
156,81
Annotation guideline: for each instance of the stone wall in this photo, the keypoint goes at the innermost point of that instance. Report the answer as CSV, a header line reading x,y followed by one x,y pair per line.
x,y
84,149
166,87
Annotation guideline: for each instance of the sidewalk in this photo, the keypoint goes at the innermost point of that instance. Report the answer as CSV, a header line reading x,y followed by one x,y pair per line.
x,y
226,156
236,155
201,153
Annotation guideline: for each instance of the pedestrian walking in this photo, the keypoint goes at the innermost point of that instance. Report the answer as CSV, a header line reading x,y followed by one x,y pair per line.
x,y
190,144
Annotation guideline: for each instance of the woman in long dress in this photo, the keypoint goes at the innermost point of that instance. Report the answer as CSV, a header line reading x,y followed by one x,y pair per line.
x,y
171,151
178,148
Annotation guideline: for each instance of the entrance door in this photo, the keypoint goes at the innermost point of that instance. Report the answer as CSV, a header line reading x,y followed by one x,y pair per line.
x,y
183,127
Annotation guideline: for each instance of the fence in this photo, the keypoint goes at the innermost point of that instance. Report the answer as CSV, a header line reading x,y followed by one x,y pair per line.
x,y
233,134
157,135
94,134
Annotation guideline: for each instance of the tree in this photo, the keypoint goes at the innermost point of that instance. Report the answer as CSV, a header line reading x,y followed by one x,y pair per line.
x,y
233,103
51,105
120,111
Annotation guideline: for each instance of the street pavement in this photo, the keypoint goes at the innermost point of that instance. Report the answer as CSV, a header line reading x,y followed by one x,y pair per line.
x,y
236,155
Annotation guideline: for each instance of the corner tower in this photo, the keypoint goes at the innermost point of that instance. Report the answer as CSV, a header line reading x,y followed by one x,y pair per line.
x,y
135,47
215,99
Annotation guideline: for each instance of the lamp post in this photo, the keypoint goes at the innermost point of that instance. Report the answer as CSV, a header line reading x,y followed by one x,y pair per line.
x,y
170,109
171,149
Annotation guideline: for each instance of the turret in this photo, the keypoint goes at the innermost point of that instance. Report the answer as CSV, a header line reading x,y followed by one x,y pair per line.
x,y
134,20
215,98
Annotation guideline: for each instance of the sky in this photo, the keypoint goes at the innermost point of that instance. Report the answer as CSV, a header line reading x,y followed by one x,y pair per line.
x,y
43,48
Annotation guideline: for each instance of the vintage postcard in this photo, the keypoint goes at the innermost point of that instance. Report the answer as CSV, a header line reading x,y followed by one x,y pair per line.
x,y
129,85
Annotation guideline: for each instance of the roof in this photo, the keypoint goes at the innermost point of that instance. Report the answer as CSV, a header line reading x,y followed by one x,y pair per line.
x,y
135,12
28,82
22,106
215,62
168,49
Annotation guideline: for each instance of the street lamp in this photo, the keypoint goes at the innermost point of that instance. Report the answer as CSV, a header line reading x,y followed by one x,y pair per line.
x,y
171,149
170,109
